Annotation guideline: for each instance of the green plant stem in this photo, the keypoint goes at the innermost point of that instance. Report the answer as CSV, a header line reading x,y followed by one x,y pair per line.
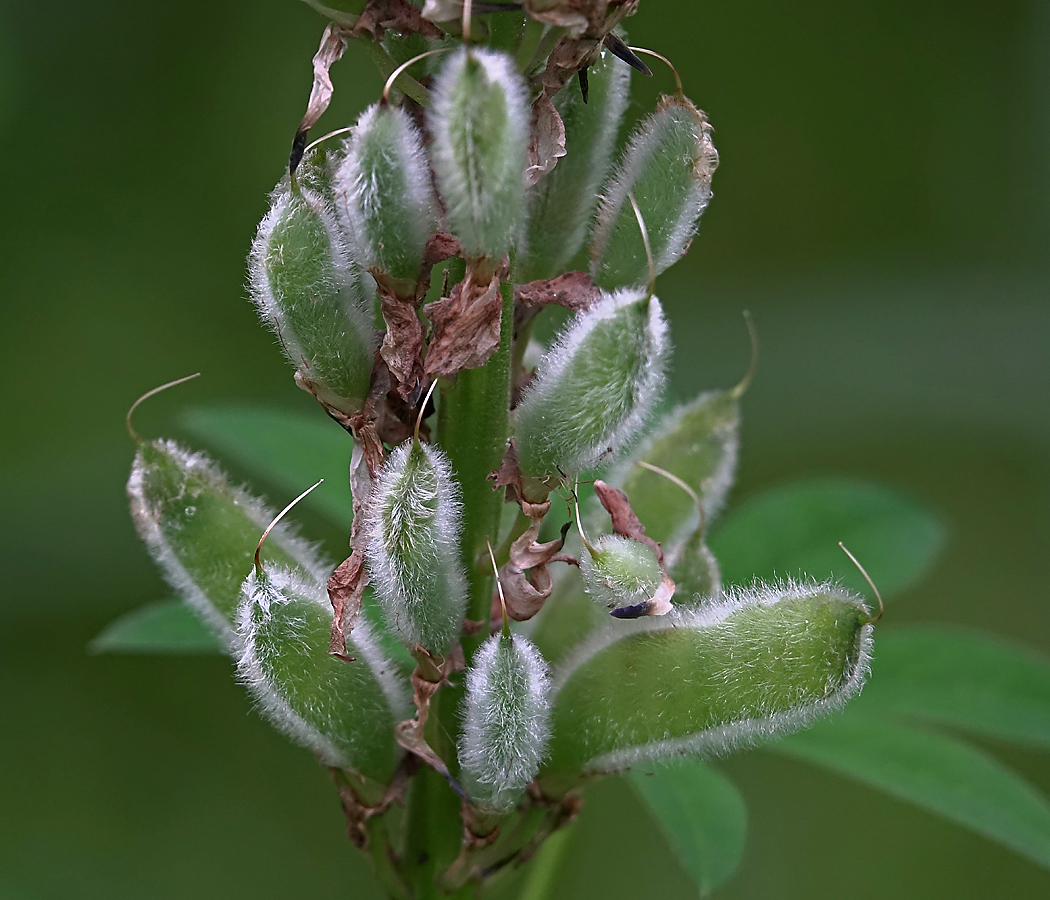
x,y
405,82
545,866
434,830
472,429
382,862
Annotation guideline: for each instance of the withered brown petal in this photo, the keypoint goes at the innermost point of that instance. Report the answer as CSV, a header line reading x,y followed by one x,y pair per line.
x,y
466,327
624,521
546,139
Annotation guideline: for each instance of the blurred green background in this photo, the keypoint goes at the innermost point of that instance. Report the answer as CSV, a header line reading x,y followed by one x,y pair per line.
x,y
883,208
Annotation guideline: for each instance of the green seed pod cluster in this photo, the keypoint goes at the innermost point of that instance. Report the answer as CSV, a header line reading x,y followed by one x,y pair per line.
x,y
479,120
758,663
506,721
619,572
202,530
667,167
594,390
383,194
562,203
413,552
344,711
310,292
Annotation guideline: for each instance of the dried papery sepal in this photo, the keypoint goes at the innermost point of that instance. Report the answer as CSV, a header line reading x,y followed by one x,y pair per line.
x,y
479,121
413,528
202,530
505,721
593,391
384,196
562,203
342,710
667,166
312,294
757,663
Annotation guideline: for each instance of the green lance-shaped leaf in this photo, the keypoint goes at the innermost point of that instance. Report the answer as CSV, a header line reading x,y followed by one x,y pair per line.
x,y
415,520
479,121
757,663
202,530
345,711
934,771
562,203
309,290
594,390
506,721
667,166
160,628
383,194
698,442
701,814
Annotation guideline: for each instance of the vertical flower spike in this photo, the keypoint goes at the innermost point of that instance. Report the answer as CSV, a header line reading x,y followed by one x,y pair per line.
x,y
506,721
345,711
667,167
758,663
383,195
479,120
310,292
562,203
202,530
593,391
415,519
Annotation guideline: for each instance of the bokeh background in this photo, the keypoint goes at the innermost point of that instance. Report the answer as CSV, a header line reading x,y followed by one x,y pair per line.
x,y
883,208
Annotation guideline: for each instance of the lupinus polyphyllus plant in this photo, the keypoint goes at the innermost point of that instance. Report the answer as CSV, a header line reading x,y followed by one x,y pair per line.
x,y
472,664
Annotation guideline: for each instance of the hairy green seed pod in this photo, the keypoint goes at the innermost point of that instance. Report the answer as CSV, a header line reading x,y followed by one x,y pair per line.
x,y
667,167
311,293
757,663
562,203
345,711
506,721
698,442
620,572
479,119
415,519
383,194
594,390
696,573
202,530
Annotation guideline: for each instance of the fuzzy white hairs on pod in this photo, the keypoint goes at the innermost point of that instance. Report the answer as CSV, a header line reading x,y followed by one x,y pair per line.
x,y
719,614
317,714
479,119
506,721
660,135
161,520
414,522
383,184
580,408
311,293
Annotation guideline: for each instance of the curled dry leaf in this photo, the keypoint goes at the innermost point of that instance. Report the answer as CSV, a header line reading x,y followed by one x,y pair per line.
x,y
397,15
346,588
333,45
525,578
546,140
573,290
466,325
402,348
